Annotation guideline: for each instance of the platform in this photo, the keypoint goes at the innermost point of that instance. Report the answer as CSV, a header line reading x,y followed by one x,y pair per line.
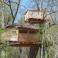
x,y
35,21
23,44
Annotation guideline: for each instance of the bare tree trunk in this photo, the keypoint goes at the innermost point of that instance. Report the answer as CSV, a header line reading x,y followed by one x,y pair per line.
x,y
2,15
14,16
33,52
24,52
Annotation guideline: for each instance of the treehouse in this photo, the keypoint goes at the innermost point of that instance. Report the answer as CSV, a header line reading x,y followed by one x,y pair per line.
x,y
34,17
26,36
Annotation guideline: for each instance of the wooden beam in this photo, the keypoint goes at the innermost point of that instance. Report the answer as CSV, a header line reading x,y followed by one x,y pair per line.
x,y
20,44
35,21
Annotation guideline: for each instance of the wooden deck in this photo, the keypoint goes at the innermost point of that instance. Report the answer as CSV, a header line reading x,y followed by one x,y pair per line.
x,y
35,21
23,44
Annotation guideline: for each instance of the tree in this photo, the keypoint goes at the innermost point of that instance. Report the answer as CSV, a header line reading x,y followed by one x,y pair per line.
x,y
13,12
50,8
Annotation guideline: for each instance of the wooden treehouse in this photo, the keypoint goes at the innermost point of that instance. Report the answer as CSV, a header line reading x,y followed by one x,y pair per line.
x,y
27,34
34,17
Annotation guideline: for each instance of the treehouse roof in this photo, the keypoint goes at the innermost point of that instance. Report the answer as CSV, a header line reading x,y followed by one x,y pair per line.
x,y
25,28
34,14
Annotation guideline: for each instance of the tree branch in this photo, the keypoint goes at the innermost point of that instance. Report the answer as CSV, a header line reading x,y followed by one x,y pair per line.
x,y
6,3
37,4
11,11
16,10
14,2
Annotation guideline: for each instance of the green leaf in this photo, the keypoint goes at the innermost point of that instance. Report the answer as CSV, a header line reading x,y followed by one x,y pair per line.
x,y
1,30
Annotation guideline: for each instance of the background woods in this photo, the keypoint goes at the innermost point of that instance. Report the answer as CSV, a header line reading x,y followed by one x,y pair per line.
x,y
14,13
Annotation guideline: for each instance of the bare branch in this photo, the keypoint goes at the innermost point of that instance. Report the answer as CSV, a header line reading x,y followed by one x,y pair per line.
x,y
17,8
13,15
37,4
6,3
11,10
41,3
14,2
16,11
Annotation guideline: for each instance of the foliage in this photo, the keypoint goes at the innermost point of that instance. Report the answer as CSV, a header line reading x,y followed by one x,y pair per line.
x,y
1,30
49,36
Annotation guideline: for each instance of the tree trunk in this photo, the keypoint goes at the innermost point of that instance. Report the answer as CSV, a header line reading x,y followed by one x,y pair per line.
x,y
33,52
